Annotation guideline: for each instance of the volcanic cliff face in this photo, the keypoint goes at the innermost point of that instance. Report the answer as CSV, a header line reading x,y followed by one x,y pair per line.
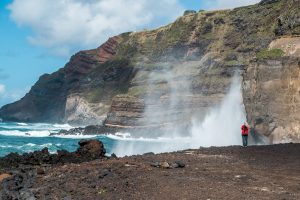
x,y
164,76
272,98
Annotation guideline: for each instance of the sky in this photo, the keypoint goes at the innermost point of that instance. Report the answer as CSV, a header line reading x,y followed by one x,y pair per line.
x,y
39,36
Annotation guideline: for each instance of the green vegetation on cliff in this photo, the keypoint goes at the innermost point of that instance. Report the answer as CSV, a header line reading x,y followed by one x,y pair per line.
x,y
270,54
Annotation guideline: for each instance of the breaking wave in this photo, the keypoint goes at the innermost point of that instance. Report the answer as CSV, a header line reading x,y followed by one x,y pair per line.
x,y
41,133
28,137
220,127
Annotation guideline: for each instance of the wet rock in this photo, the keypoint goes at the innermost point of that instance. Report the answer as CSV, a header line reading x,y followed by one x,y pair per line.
x,y
89,130
72,131
88,150
92,148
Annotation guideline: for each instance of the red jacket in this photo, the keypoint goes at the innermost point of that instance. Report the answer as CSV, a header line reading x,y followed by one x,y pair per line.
x,y
245,130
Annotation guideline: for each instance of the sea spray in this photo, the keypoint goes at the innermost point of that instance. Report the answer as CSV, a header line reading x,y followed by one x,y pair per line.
x,y
220,127
166,104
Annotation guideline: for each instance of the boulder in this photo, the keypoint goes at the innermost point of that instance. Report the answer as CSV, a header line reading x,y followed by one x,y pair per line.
x,y
165,165
180,164
91,148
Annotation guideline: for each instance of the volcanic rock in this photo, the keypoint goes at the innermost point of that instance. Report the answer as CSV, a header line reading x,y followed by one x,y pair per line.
x,y
88,150
212,173
91,148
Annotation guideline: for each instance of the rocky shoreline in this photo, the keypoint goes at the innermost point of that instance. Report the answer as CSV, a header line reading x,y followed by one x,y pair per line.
x,y
256,172
88,150
153,131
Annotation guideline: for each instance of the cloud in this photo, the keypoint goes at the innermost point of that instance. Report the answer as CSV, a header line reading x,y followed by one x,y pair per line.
x,y
2,89
69,25
226,4
11,95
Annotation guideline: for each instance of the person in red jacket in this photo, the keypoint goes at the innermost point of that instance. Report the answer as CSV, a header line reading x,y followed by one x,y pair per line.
x,y
245,132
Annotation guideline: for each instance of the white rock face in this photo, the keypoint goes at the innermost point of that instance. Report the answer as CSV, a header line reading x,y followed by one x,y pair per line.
x,y
79,111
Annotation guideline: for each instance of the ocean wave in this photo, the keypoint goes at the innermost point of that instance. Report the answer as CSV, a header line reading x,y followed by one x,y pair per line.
x,y
6,146
35,126
41,145
127,137
22,124
79,136
63,126
41,133
123,135
30,147
30,144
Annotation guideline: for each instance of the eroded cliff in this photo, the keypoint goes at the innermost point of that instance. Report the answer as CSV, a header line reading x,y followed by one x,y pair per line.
x,y
164,76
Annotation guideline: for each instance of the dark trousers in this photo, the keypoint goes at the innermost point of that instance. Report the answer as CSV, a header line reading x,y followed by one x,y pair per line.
x,y
245,140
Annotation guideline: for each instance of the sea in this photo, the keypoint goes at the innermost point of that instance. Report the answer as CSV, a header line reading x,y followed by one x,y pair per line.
x,y
28,137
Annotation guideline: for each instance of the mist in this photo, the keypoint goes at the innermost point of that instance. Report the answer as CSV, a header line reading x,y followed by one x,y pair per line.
x,y
220,125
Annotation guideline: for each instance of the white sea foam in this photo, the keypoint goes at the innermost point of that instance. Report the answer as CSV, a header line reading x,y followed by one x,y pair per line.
x,y
6,146
36,145
36,126
63,126
42,133
122,138
30,144
22,124
123,135
79,136
31,130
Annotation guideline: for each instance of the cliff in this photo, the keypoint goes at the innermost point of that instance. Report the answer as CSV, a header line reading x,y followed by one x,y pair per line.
x,y
163,77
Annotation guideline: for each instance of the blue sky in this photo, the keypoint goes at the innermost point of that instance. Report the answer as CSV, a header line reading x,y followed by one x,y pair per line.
x,y
38,36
